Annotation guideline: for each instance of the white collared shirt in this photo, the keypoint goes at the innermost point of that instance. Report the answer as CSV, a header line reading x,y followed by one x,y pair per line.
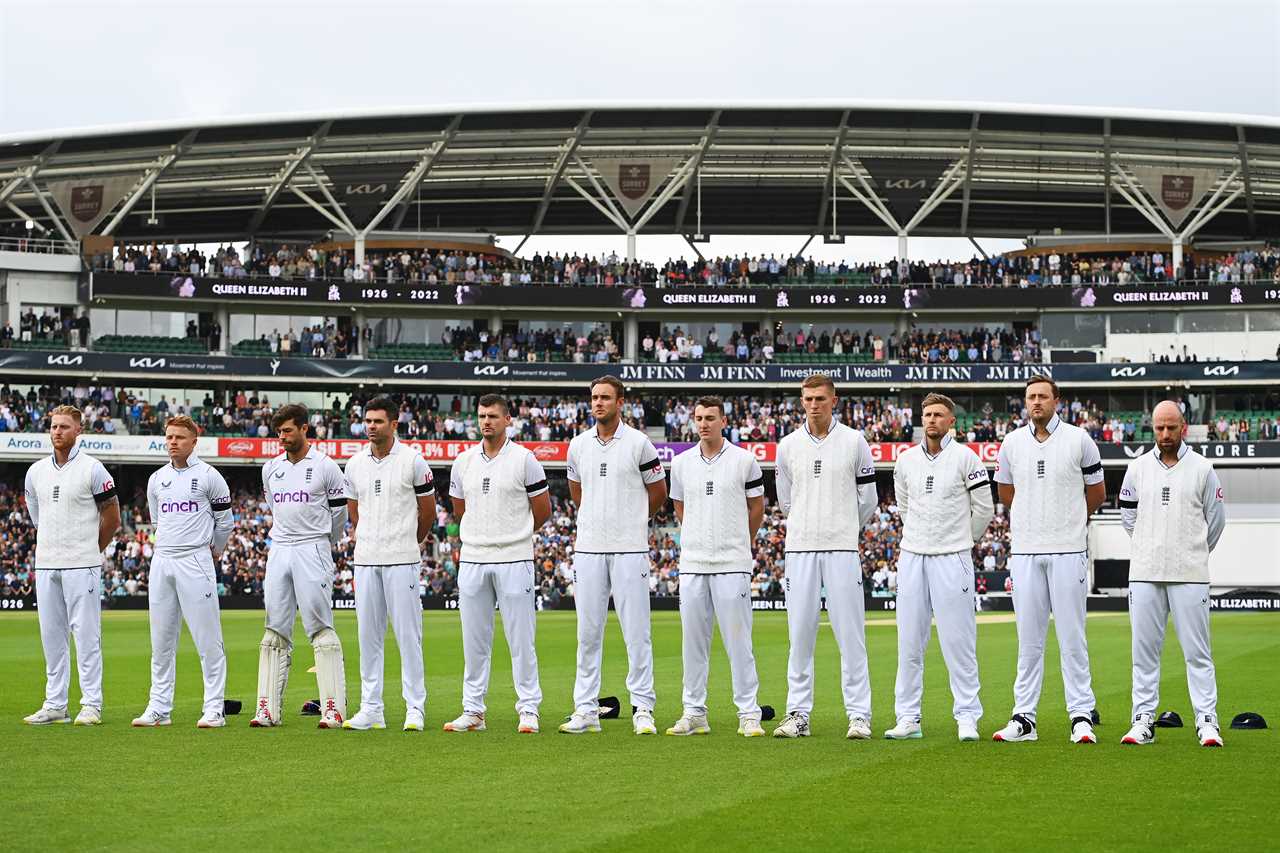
x,y
190,507
308,499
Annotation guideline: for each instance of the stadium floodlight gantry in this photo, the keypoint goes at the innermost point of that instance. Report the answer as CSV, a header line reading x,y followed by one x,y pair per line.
x,y
830,169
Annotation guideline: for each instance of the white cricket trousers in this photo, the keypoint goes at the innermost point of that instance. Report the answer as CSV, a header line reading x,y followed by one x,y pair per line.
x,y
184,588
384,592
626,576
937,586
1149,608
723,598
69,604
806,574
299,581
1057,584
510,587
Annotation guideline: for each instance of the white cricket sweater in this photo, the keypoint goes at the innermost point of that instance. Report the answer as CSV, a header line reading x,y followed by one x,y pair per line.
x,y
63,505
1174,517
944,501
386,492
614,515
498,524
826,487
713,533
1049,515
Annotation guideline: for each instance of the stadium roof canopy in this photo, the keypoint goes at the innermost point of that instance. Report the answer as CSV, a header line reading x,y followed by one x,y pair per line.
x,y
1005,170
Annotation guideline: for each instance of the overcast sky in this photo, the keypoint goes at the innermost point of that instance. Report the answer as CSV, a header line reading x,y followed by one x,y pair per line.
x,y
76,64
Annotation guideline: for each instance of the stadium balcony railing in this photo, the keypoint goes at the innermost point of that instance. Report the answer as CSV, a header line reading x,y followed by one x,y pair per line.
x,y
38,344
39,246
151,344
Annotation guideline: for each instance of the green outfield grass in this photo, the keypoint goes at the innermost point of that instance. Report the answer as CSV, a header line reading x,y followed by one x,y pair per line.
x,y
116,788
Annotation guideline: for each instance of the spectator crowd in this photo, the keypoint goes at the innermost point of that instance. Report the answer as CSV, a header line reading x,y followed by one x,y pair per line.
x,y
1027,268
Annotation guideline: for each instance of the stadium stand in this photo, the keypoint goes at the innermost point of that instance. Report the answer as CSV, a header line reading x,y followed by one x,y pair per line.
x,y
1046,267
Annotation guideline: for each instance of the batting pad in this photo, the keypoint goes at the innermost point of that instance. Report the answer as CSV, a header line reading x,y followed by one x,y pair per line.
x,y
330,672
273,673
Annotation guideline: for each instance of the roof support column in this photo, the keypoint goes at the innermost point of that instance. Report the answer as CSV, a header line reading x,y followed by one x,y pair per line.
x,y
148,180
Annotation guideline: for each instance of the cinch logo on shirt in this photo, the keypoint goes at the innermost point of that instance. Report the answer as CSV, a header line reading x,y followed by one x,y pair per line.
x,y
298,497
711,487
928,485
1040,468
979,474
180,506
817,467
335,493
604,469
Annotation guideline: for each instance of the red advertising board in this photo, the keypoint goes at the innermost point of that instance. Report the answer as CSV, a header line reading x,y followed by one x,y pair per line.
x,y
345,448
546,451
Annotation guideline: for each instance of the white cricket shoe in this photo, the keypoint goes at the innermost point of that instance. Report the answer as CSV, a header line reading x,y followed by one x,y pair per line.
x,y
47,717
1082,731
331,718
262,717
750,727
528,723
1207,731
363,721
211,720
1143,731
859,729
690,725
88,716
906,729
580,724
642,722
794,725
1020,728
468,721
151,719
413,720
967,730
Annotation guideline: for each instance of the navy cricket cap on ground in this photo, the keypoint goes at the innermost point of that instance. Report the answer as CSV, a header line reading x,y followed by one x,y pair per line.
x,y
609,707
231,707
1248,720
1169,720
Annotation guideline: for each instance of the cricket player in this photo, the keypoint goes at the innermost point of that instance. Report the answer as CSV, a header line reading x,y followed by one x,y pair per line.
x,y
944,500
826,485
718,492
73,507
308,497
500,497
190,506
1171,506
617,481
1049,475
391,503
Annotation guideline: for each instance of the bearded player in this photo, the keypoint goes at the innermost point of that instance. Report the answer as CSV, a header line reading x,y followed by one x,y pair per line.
x,y
308,513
